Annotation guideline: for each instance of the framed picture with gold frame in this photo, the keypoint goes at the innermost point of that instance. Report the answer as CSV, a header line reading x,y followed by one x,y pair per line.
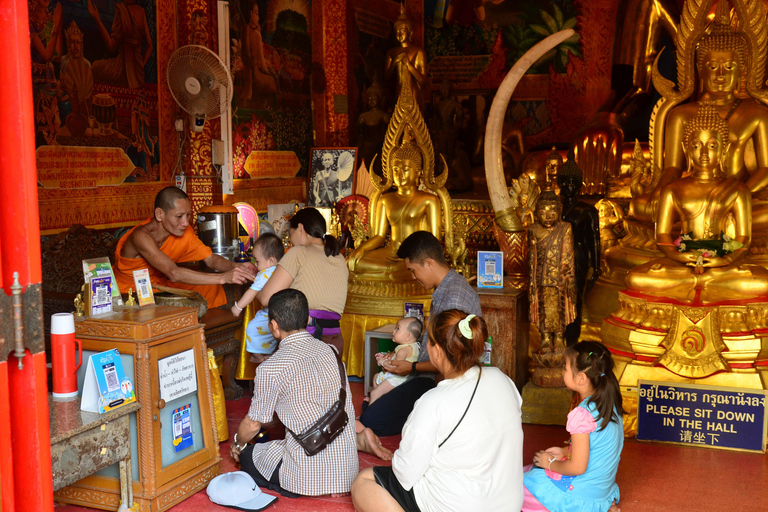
x,y
331,175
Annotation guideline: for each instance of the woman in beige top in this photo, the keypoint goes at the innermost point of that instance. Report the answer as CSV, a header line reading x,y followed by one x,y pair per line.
x,y
314,267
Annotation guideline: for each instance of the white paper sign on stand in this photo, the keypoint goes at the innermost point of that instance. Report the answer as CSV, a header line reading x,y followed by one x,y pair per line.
x,y
177,375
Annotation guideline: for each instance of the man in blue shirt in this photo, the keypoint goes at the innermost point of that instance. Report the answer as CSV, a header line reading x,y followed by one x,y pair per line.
x,y
424,257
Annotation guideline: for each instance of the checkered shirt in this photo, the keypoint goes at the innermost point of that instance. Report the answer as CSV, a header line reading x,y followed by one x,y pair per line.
x,y
453,292
299,383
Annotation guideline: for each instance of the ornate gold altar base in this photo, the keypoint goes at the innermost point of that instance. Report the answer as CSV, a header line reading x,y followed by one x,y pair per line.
x,y
718,344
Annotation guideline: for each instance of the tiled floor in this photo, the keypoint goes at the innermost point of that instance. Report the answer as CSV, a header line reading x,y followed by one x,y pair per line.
x,y
652,477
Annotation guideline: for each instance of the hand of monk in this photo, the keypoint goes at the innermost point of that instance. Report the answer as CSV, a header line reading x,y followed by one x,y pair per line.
x,y
243,273
397,367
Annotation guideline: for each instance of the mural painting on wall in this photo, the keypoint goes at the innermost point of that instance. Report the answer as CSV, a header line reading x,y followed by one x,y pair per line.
x,y
473,43
271,60
94,76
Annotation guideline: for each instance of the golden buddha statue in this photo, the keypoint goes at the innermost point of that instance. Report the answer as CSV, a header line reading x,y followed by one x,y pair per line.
x,y
409,60
379,283
407,158
400,213
721,58
703,203
719,53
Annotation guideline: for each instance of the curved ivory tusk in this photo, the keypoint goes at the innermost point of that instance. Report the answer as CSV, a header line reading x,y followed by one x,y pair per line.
x,y
494,171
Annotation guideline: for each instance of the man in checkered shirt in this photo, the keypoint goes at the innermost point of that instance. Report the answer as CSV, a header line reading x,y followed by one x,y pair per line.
x,y
424,257
299,383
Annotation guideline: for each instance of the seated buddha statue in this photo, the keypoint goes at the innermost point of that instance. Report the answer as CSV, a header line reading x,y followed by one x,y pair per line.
x,y
703,203
720,59
400,212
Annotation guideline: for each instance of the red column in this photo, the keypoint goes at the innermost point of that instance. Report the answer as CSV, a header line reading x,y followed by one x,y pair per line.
x,y
6,449
20,239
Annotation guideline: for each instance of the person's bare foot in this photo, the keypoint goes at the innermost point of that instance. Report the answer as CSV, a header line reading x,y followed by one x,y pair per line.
x,y
369,442
614,508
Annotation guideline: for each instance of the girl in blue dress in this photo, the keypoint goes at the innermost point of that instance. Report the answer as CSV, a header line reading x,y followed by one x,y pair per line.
x,y
581,477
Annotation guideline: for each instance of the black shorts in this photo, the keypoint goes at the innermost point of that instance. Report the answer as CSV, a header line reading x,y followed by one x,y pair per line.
x,y
386,478
273,484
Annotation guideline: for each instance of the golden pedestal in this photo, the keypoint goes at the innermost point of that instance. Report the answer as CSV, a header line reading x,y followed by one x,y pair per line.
x,y
546,406
718,344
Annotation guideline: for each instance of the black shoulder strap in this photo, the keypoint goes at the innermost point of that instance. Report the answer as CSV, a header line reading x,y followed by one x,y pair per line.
x,y
465,410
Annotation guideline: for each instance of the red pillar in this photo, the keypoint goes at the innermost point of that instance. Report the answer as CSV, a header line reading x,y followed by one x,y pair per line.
x,y
20,240
6,449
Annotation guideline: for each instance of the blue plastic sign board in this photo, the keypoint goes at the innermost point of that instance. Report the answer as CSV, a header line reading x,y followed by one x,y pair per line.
x,y
182,428
490,269
711,416
106,387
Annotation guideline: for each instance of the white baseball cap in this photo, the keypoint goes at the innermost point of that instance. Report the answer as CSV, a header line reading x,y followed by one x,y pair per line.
x,y
238,490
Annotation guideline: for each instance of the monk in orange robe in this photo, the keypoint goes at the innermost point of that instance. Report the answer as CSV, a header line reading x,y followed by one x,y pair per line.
x,y
167,239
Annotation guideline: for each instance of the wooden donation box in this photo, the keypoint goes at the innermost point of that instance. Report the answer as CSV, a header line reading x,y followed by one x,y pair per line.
x,y
174,443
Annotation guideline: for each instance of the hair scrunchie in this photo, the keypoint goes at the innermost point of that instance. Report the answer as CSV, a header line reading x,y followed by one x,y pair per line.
x,y
323,237
464,327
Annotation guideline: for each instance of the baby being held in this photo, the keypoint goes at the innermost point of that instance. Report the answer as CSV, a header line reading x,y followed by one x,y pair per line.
x,y
407,334
259,342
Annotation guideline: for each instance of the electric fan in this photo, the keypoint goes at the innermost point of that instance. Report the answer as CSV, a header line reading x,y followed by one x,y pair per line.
x,y
200,83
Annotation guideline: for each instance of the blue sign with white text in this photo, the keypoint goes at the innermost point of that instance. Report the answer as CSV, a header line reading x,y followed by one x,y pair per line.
x,y
716,417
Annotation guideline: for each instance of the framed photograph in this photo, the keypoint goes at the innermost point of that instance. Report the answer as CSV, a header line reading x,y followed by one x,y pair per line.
x,y
331,175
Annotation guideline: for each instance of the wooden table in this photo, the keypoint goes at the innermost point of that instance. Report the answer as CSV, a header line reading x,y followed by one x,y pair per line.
x,y
506,314
83,443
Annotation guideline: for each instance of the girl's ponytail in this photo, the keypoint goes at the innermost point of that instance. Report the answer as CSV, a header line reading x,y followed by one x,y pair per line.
x,y
596,362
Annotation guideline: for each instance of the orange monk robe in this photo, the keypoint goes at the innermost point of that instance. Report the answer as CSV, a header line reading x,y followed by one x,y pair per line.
x,y
180,249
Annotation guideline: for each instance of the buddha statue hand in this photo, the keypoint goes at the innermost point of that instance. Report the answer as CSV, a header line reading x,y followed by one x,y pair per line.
x,y
354,257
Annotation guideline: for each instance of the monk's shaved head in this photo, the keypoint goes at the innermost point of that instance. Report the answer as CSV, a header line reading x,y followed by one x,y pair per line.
x,y
166,198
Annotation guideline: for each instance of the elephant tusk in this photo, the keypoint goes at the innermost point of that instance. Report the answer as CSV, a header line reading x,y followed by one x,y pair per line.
x,y
494,171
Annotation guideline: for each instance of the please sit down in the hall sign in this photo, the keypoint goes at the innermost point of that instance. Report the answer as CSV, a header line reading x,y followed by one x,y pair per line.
x,y
711,416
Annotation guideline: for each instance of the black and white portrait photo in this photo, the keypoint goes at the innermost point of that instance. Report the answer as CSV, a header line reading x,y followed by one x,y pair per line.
x,y
332,175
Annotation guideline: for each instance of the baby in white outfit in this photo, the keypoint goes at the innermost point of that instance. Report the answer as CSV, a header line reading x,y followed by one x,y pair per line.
x,y
407,334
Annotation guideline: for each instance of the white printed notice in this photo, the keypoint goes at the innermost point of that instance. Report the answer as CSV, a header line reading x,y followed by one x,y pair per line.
x,y
177,375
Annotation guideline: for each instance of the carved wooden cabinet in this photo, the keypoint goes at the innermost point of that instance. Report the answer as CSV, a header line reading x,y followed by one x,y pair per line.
x,y
162,477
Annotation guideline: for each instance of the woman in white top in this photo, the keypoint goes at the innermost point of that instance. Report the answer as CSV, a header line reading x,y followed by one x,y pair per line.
x,y
462,443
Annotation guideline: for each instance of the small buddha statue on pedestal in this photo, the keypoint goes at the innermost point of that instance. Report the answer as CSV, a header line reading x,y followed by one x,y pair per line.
x,y
552,287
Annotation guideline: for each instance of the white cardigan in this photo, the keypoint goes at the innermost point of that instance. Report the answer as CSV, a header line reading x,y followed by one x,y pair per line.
x,y
481,466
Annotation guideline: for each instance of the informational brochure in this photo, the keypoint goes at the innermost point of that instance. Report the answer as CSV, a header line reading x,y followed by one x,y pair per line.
x,y
415,309
182,428
106,387
100,289
143,287
99,267
490,269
